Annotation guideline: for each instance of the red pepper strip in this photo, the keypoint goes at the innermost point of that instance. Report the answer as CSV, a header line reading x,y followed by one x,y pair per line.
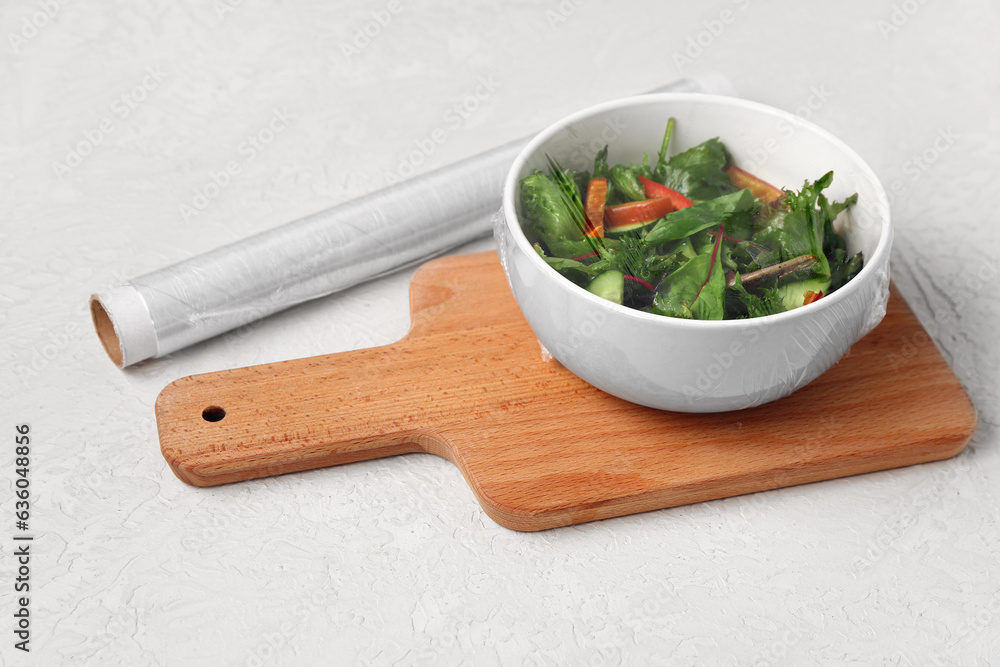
x,y
640,281
811,296
760,189
597,194
654,189
636,212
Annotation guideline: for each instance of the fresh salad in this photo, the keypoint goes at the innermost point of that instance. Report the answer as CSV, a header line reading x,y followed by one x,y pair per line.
x,y
692,236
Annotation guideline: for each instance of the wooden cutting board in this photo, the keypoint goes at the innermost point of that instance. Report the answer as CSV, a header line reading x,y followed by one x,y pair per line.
x,y
540,447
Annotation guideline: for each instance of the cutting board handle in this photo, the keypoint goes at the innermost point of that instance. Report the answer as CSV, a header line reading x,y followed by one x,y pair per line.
x,y
363,404
308,413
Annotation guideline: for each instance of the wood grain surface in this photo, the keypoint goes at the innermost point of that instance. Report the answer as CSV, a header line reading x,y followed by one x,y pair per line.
x,y
540,447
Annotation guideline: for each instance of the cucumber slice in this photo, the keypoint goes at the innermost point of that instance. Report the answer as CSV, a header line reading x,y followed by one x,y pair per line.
x,y
641,227
609,285
793,294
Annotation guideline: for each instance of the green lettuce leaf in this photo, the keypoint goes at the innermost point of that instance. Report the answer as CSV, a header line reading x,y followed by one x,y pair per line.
x,y
627,184
804,227
546,207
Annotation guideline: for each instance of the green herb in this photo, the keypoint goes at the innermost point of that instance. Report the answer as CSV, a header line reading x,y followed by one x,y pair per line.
x,y
634,257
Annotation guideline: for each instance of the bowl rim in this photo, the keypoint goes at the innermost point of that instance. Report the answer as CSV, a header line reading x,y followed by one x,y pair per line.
x,y
872,264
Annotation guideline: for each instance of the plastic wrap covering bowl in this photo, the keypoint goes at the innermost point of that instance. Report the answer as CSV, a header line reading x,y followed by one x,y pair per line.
x,y
692,365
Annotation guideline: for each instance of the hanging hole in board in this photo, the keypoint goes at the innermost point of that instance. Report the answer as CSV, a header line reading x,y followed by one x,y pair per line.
x,y
213,413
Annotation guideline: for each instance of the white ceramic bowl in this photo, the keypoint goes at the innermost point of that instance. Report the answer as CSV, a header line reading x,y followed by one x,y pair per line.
x,y
691,365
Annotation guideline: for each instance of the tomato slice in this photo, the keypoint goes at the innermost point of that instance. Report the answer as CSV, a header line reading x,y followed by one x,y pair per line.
x,y
760,189
654,189
636,212
811,296
597,195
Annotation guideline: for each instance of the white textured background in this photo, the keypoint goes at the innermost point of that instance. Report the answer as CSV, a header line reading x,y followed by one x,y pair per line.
x,y
392,561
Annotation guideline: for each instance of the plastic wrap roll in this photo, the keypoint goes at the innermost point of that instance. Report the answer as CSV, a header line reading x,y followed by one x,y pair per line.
x,y
323,253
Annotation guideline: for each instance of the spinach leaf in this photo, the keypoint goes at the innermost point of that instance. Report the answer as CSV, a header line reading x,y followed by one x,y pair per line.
x,y
710,303
687,221
697,172
697,290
